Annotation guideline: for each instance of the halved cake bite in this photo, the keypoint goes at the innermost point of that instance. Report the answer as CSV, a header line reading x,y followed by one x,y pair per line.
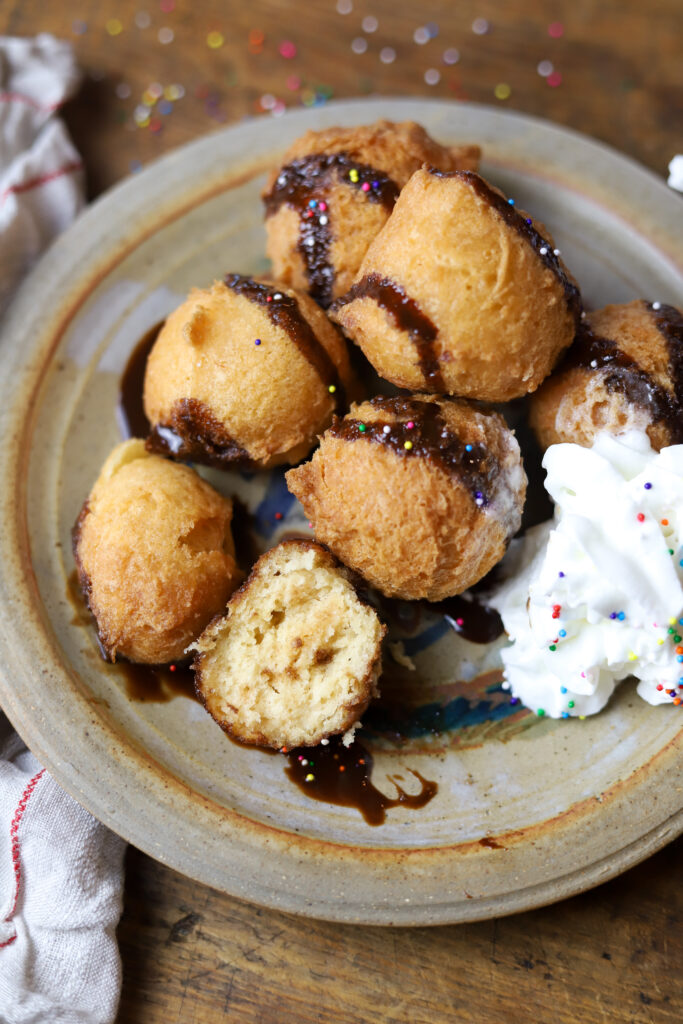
x,y
296,658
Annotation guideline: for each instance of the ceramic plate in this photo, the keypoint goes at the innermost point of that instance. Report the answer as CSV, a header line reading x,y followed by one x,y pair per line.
x,y
527,810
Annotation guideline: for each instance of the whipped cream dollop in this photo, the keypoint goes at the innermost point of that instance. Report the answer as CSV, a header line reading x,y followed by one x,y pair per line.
x,y
596,594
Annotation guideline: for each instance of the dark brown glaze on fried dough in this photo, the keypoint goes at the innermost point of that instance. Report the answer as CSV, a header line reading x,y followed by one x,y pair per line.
x,y
428,438
407,316
192,432
524,226
623,375
307,181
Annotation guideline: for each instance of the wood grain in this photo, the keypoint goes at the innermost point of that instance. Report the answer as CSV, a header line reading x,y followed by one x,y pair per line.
x,y
619,61
196,956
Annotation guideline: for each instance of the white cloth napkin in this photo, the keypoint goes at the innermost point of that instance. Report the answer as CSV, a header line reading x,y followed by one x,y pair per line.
x,y
61,871
41,180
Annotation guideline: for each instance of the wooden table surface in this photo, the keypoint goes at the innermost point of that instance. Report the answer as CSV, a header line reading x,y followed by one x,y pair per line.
x,y
613,70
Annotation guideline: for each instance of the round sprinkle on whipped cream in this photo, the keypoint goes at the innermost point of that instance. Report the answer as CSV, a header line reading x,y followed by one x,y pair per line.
x,y
596,594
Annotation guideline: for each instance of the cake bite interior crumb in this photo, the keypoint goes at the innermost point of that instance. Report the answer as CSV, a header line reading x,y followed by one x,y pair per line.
x,y
297,656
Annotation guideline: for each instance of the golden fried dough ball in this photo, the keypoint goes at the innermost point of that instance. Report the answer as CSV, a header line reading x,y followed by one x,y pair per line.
x,y
333,193
296,657
154,554
419,495
460,293
244,373
623,372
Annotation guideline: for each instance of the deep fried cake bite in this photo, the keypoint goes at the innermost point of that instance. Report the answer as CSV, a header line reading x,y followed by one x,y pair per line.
x,y
297,655
419,495
623,372
333,193
461,293
244,373
155,556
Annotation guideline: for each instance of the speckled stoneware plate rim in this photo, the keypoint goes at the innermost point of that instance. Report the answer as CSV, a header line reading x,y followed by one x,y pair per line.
x,y
122,784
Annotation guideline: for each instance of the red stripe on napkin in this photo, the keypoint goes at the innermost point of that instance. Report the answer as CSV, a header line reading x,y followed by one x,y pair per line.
x,y
16,860
26,186
19,97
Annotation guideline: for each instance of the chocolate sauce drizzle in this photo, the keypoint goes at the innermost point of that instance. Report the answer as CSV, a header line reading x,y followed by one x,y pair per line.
x,y
429,438
622,375
192,432
306,181
524,227
341,775
283,311
407,316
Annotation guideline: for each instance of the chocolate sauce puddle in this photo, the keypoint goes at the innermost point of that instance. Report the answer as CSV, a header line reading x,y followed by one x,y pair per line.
x,y
407,316
156,684
521,225
469,617
130,410
303,185
539,506
471,620
247,551
428,438
623,375
284,312
340,775
146,683
82,615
